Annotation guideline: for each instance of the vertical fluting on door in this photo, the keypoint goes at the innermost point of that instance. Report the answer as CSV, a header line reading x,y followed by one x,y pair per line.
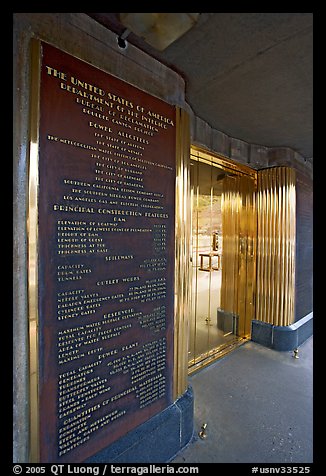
x,y
247,255
239,249
276,226
231,204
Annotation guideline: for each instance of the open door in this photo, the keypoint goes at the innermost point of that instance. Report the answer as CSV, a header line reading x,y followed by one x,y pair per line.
x,y
222,256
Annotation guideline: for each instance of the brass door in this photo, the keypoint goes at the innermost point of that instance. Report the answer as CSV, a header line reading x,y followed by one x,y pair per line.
x,y
239,238
222,256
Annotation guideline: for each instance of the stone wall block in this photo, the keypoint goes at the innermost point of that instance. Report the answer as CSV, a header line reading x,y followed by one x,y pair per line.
x,y
239,150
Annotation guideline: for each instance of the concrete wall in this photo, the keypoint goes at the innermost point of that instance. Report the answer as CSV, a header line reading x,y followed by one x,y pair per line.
x,y
304,246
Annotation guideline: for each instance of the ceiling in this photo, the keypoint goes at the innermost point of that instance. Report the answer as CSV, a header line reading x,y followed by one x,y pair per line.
x,y
248,75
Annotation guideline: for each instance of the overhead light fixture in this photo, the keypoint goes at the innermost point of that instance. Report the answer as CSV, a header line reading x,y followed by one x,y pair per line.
x,y
159,29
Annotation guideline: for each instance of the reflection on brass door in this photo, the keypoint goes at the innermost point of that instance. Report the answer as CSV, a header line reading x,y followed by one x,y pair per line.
x,y
239,242
222,255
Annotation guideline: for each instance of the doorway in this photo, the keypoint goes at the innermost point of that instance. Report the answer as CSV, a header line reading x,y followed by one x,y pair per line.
x,y
222,255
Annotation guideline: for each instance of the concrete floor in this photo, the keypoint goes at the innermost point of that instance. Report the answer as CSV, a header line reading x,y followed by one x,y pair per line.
x,y
257,404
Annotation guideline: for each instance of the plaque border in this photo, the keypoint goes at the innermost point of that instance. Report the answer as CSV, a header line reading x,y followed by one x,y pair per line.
x,y
32,247
182,245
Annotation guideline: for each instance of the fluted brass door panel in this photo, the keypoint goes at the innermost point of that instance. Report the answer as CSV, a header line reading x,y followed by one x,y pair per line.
x,y
239,238
276,205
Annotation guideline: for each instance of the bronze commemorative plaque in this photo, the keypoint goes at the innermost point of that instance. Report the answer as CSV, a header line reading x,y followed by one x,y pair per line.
x,y
105,291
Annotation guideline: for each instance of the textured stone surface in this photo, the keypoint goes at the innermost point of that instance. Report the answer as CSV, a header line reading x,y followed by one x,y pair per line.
x,y
155,441
284,338
261,332
258,156
221,143
239,151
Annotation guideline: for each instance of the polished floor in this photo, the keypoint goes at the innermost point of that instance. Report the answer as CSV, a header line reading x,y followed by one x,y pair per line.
x,y
258,407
